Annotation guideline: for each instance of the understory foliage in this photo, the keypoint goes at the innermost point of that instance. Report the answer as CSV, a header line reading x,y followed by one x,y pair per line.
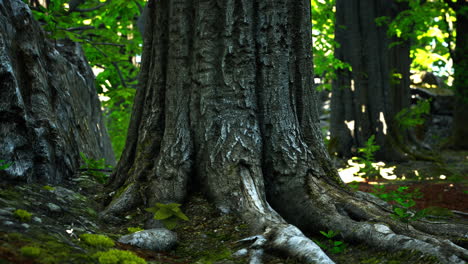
x,y
430,26
331,244
95,168
367,169
168,214
4,165
324,44
402,200
414,115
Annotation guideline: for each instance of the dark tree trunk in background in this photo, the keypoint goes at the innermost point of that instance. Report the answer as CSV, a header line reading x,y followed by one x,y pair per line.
x,y
366,99
460,64
226,107
49,108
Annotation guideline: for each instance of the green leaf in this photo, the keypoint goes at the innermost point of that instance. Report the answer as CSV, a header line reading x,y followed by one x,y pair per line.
x,y
181,215
4,165
337,243
170,223
163,213
152,209
324,233
420,214
320,244
400,212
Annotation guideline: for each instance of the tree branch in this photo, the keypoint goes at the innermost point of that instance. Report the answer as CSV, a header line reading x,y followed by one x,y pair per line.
x,y
122,80
79,28
108,44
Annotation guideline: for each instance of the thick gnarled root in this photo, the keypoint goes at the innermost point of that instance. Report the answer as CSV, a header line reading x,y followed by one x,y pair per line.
x,y
287,239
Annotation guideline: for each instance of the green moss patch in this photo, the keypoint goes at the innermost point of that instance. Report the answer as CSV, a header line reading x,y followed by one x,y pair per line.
x,y
97,241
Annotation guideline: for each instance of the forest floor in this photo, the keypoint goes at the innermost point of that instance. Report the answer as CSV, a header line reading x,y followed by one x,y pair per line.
x,y
61,214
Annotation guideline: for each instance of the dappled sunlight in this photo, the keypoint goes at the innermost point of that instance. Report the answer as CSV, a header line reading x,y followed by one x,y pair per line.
x,y
382,120
350,125
351,173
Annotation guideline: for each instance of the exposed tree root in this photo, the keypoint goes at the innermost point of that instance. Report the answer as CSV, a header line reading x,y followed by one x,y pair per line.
x,y
369,221
358,216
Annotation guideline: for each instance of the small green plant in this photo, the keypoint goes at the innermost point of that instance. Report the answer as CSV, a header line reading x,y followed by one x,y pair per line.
x,y
367,159
97,241
30,252
115,256
402,199
134,229
48,188
331,245
4,165
22,215
95,168
354,185
414,115
169,214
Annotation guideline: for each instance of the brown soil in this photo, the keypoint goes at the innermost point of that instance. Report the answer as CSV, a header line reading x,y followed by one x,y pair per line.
x,y
452,196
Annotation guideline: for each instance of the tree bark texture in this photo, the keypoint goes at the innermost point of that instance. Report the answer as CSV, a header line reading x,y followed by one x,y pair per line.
x,y
49,108
226,106
460,127
366,99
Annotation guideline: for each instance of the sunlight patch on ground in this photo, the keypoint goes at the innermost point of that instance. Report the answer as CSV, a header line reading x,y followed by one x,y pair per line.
x,y
351,173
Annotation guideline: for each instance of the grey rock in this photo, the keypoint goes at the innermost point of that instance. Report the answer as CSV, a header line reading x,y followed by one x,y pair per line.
x,y
54,208
4,212
50,110
64,194
37,220
8,223
158,239
25,225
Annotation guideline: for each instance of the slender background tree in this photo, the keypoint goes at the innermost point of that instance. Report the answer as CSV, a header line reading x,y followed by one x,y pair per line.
x,y
460,58
366,98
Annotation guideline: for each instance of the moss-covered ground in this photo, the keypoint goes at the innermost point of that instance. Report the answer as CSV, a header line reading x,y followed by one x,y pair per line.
x,y
208,236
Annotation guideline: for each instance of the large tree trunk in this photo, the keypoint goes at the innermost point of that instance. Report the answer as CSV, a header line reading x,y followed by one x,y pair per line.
x,y
366,99
226,106
460,127
49,108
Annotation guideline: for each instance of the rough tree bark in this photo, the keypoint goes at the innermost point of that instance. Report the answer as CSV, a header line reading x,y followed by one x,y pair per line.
x,y
366,99
460,64
49,108
226,106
